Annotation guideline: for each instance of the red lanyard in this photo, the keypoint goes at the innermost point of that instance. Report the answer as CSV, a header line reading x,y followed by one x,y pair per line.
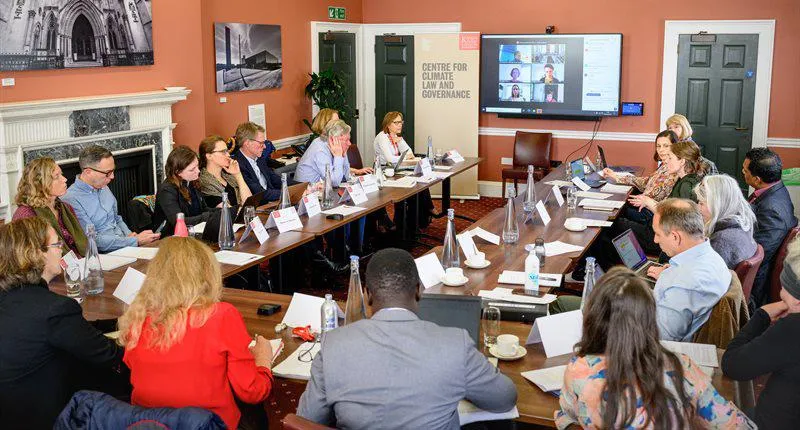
x,y
394,144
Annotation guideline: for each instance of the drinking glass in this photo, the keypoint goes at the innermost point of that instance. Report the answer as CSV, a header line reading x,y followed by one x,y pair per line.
x,y
195,232
439,156
72,278
572,199
249,214
491,326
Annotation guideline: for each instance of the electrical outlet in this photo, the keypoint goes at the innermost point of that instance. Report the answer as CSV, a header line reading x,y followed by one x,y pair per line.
x,y
8,82
223,100
507,161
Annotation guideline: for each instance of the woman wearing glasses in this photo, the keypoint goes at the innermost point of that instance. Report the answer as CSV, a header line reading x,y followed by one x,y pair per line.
x,y
178,193
38,195
48,350
183,345
389,143
219,173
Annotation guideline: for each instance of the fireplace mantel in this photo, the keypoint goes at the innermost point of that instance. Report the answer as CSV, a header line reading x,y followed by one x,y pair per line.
x,y
59,128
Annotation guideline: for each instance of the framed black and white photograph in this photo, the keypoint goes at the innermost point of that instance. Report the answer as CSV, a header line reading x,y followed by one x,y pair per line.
x,y
60,34
248,56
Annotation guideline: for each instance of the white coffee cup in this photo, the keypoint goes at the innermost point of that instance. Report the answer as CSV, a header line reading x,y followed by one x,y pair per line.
x,y
388,172
453,275
574,224
507,345
479,259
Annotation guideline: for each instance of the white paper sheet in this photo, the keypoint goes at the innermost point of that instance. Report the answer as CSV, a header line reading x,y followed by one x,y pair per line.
x,y
136,252
701,353
275,344
595,222
593,195
199,228
406,182
616,189
542,212
129,285
235,258
602,204
343,210
304,310
580,184
440,167
518,278
292,367
516,298
485,235
108,262
558,333
559,183
558,247
549,379
467,245
557,194
469,413
430,269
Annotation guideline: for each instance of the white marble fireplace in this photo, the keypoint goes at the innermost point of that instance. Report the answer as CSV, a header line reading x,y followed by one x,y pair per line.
x,y
60,128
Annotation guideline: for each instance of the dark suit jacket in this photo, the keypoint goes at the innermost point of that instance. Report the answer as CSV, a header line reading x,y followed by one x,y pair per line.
x,y
774,218
249,175
47,350
169,202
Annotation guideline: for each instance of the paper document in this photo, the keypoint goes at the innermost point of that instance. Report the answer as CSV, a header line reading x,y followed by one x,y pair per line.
x,y
441,175
129,285
593,195
442,167
516,298
701,353
136,252
236,258
294,368
275,344
595,222
466,244
201,227
616,189
343,210
518,278
469,413
485,235
558,247
108,262
406,182
427,179
430,269
559,183
558,333
304,310
621,174
603,204
550,379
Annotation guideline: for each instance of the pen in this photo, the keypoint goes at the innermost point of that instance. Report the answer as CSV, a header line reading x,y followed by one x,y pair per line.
x,y
547,278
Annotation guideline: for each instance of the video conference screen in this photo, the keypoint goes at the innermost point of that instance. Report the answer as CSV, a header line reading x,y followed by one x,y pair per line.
x,y
551,74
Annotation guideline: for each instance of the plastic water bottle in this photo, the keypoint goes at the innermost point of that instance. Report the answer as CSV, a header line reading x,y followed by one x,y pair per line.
x,y
510,225
450,255
225,238
378,170
531,269
329,196
93,282
538,248
530,193
180,226
285,202
330,315
355,309
429,153
588,281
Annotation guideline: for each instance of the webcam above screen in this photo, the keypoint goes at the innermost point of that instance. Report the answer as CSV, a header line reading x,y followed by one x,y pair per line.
x,y
632,109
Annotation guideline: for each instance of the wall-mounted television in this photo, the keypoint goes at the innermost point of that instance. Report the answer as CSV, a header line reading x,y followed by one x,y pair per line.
x,y
551,75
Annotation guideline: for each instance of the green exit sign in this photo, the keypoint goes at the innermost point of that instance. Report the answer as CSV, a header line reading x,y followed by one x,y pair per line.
x,y
336,13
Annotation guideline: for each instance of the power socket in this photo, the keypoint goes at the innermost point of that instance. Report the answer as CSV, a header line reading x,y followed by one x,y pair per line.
x,y
8,82
223,100
507,161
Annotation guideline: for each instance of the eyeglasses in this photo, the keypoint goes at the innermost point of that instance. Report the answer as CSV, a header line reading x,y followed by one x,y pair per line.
x,y
58,245
259,142
106,173
400,122
219,151
306,355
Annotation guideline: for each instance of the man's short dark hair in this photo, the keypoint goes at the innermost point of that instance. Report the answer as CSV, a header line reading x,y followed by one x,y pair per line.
x,y
682,215
92,155
765,164
549,66
392,275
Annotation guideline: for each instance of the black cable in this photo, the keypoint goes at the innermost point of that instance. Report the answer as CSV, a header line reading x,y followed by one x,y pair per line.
x,y
595,130
594,134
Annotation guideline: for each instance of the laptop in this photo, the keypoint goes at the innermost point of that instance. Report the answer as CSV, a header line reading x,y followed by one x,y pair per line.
x,y
254,201
594,180
614,168
398,167
632,254
449,310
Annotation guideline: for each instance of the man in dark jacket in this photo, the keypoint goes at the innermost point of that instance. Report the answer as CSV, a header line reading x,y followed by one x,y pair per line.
x,y
774,213
250,140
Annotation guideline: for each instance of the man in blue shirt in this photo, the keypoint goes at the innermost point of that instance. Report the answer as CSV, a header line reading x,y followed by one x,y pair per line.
x,y
696,277
94,203
330,149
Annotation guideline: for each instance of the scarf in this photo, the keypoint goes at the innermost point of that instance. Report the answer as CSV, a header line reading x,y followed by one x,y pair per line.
x,y
70,222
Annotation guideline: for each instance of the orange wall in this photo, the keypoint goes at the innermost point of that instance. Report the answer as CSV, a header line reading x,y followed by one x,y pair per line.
x,y
177,48
642,26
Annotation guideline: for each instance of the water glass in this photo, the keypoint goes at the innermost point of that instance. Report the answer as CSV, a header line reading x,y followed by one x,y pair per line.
x,y
491,326
195,232
572,199
439,156
72,278
249,214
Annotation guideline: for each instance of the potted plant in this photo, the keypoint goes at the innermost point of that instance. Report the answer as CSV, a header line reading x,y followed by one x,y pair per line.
x,y
328,89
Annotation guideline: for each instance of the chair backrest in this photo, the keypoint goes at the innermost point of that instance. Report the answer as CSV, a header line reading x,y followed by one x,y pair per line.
x,y
354,157
777,267
532,149
293,422
727,317
140,213
747,269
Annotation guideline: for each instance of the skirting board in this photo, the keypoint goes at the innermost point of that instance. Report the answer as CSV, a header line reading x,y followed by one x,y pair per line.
x,y
490,189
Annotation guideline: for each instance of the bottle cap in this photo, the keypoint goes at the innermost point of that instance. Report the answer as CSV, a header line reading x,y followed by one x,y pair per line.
x,y
328,296
354,258
180,215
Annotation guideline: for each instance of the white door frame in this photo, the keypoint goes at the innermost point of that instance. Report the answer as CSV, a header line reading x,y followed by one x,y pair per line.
x,y
365,67
765,29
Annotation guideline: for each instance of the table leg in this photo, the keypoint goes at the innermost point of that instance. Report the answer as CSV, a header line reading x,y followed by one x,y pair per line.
x,y
446,202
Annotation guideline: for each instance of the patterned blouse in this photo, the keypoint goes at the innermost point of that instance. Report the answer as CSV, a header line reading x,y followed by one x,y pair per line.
x,y
584,383
656,186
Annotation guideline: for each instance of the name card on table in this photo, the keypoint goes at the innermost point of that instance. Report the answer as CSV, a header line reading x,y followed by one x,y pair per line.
x,y
354,193
430,269
543,212
285,220
257,227
467,244
580,184
423,167
70,261
129,285
558,333
558,196
309,204
368,183
454,156
485,235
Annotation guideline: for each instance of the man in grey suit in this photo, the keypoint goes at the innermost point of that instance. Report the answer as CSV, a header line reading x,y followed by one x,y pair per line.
x,y
395,370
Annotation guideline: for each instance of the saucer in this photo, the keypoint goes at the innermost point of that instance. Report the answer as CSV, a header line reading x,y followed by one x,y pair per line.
x,y
521,351
574,229
455,284
484,265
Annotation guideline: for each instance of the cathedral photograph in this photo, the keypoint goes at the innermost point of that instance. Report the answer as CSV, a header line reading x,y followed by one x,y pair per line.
x,y
58,34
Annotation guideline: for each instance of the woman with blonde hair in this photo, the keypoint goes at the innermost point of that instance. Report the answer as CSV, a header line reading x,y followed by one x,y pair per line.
x,y
38,193
679,125
324,116
186,348
48,350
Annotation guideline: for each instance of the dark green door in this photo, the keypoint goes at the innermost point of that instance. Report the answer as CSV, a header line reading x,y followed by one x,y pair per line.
x,y
338,51
394,81
716,89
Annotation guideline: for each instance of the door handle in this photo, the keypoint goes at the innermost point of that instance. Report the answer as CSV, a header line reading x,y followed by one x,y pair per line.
x,y
742,128
355,115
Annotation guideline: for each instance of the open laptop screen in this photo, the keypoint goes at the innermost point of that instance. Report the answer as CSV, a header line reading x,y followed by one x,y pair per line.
x,y
576,167
400,160
449,310
602,157
629,249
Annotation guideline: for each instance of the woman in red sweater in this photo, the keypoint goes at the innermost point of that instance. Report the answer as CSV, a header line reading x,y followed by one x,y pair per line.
x,y
186,348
